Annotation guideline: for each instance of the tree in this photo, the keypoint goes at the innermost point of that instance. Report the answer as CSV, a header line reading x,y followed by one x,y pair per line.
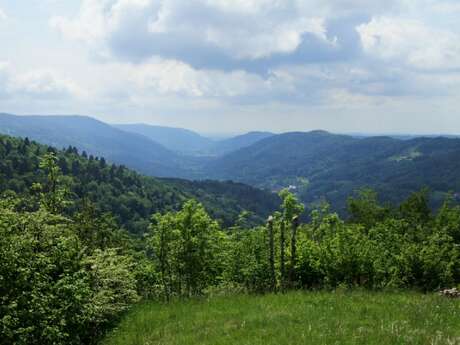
x,y
291,210
295,225
54,196
416,208
186,245
271,259
364,208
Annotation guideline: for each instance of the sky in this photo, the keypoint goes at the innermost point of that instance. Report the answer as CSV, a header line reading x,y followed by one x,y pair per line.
x,y
230,66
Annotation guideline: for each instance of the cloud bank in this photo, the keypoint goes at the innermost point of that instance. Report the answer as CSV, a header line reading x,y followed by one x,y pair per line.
x,y
321,58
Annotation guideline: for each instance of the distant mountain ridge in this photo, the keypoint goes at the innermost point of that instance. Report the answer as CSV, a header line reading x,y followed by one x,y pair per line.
x,y
187,142
240,141
317,165
96,138
178,140
322,166
274,155
152,150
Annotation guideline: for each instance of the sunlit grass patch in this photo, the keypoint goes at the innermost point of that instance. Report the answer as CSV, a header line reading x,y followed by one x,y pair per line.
x,y
295,318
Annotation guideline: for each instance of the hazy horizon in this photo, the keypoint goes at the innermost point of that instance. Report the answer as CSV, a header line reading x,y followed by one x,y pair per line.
x,y
233,66
222,135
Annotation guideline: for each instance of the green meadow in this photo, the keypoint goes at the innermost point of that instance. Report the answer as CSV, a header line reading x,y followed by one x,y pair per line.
x,y
340,317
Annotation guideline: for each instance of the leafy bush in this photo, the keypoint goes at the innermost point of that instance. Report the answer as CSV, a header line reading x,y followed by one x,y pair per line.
x,y
53,291
113,288
44,286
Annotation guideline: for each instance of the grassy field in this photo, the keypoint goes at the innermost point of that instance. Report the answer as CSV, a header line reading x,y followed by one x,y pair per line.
x,y
295,318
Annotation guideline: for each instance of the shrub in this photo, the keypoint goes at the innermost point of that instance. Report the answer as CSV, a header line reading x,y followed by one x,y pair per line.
x,y
52,292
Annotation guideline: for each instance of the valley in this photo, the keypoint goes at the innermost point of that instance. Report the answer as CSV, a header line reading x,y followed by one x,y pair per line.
x,y
318,166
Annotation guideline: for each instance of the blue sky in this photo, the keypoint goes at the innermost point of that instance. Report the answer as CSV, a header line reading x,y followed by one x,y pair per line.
x,y
236,65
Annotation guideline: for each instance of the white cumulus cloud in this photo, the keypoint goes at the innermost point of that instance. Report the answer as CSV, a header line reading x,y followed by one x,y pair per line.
x,y
250,29
35,84
412,42
43,83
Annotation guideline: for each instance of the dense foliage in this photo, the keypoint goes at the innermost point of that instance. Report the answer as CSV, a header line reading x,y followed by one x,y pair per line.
x,y
62,280
130,197
68,270
378,247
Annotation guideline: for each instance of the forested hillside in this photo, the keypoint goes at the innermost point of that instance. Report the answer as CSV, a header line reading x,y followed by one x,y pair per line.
x,y
323,166
131,197
318,166
96,138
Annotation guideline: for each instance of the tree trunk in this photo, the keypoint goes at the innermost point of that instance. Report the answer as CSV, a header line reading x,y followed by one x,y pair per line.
x,y
271,258
283,254
295,224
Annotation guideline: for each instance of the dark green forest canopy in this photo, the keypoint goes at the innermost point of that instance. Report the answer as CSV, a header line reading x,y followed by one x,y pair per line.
x,y
131,197
326,166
